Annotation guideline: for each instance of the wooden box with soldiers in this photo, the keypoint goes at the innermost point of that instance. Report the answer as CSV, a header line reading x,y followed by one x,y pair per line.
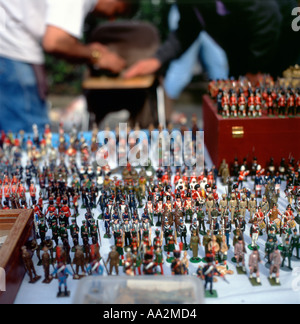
x,y
241,119
16,229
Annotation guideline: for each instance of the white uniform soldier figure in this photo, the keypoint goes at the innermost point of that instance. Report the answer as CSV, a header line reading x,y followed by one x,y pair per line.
x,y
254,233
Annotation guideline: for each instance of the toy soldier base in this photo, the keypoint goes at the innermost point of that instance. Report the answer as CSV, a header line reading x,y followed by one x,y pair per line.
x,y
61,294
241,270
195,260
211,294
254,282
273,282
250,247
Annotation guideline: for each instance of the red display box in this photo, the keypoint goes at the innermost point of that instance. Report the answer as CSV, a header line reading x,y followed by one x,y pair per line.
x,y
262,137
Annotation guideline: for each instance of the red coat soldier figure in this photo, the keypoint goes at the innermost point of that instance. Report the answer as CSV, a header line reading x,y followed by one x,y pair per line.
x,y
66,212
150,209
178,202
159,209
168,205
32,191
226,104
290,103
251,105
258,104
233,104
149,266
165,180
7,193
242,176
297,101
281,102
270,103
176,178
242,105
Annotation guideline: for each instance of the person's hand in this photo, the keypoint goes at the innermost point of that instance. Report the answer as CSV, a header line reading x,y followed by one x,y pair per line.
x,y
105,59
143,67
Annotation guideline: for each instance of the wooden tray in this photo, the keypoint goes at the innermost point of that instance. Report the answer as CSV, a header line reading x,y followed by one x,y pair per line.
x,y
19,225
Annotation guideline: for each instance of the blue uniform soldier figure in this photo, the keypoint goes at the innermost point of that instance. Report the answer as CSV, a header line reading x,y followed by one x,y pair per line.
x,y
62,273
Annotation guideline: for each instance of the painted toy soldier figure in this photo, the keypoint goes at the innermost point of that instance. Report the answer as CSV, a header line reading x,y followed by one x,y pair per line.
x,y
182,230
194,246
254,233
94,231
120,245
129,265
62,273
177,267
201,219
149,266
107,220
46,265
275,261
239,253
269,248
127,233
286,253
84,230
208,272
295,242
74,231
232,206
79,261
254,261
113,259
28,263
252,207
42,231
170,242
157,243
227,228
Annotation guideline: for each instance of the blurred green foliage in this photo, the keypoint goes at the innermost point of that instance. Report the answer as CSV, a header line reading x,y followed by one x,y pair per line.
x,y
65,78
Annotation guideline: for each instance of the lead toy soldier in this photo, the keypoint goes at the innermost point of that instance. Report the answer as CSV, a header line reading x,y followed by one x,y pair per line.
x,y
243,206
252,207
182,230
275,261
177,267
79,261
170,243
29,267
74,231
286,253
295,243
194,246
270,248
62,273
114,260
254,233
149,266
46,265
281,103
233,203
254,261
239,253
120,245
208,272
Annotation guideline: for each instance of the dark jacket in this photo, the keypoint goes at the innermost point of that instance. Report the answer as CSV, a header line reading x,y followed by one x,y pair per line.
x,y
257,35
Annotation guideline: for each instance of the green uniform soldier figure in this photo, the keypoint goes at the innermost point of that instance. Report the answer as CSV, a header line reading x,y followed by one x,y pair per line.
x,y
295,242
194,244
272,233
42,231
269,248
201,219
63,232
94,231
159,259
84,231
170,242
74,230
286,253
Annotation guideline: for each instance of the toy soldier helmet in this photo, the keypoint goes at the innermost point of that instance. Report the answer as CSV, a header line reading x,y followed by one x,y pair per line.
x,y
168,198
149,198
168,187
289,206
235,186
252,196
189,195
207,186
224,196
157,232
178,196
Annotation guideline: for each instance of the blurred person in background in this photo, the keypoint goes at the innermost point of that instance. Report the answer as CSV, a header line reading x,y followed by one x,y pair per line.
x,y
256,35
30,28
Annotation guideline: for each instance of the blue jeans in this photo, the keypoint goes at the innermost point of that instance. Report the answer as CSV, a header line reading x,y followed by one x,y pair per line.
x,y
204,50
20,102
